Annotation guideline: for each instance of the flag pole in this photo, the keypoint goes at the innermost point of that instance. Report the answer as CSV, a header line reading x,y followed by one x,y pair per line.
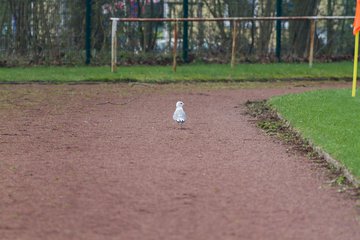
x,y
356,56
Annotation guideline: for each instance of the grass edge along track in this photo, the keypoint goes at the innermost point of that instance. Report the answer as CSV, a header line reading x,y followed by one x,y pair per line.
x,y
185,73
327,118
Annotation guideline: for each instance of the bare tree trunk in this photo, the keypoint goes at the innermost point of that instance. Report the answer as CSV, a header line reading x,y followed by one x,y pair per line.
x,y
266,27
36,45
201,34
98,33
19,11
329,26
216,8
4,12
299,30
253,28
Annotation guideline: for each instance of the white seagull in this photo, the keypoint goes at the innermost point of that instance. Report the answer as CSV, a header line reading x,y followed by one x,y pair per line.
x,y
179,114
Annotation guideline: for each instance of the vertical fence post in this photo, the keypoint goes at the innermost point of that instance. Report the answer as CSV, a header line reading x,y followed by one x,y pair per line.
x,y
88,32
175,46
233,52
186,31
278,29
113,45
312,41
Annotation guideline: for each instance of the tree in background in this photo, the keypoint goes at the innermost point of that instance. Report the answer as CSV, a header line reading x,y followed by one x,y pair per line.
x,y
299,30
266,9
53,31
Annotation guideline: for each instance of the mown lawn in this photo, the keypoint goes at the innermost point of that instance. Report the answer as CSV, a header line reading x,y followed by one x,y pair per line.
x,y
185,73
329,118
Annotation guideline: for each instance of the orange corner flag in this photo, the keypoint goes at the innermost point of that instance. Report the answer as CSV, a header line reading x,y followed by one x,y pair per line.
x,y
357,18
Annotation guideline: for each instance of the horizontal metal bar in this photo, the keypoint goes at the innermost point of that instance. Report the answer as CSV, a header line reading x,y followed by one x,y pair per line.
x,y
232,19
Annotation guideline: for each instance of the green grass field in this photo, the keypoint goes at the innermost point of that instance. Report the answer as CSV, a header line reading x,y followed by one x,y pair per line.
x,y
329,118
185,73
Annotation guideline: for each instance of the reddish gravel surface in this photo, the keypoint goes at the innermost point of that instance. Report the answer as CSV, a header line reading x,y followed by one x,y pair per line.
x,y
108,162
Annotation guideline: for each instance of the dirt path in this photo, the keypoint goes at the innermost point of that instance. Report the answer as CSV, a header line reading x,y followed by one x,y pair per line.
x,y
107,162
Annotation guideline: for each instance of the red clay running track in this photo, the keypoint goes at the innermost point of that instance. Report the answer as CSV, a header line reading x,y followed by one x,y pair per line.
x,y
107,162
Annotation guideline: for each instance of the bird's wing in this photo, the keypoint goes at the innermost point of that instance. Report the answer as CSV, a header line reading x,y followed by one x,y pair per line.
x,y
179,114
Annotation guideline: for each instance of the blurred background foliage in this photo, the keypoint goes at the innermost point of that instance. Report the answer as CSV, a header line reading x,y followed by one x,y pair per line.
x,y
53,32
